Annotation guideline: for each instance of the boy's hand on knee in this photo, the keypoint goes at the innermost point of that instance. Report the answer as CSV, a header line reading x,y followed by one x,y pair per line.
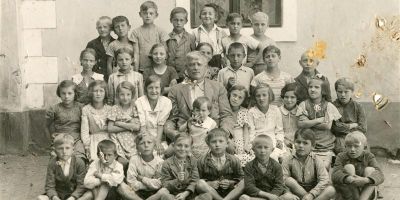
x,y
225,184
349,179
291,196
213,184
361,181
308,196
71,198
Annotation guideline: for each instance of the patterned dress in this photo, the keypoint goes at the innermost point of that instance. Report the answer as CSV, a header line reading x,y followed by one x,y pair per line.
x,y
124,140
241,120
94,127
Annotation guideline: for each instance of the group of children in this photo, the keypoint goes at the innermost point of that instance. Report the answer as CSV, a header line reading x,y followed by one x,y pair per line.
x,y
286,130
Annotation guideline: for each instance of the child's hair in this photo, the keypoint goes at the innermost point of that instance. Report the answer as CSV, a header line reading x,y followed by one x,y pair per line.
x,y
216,9
201,44
100,83
216,132
181,136
63,138
141,136
355,137
107,18
323,91
152,79
87,50
240,88
126,85
66,84
176,11
288,88
345,82
271,96
125,50
260,137
272,49
119,19
197,103
306,134
233,16
259,15
156,46
106,144
147,5
237,45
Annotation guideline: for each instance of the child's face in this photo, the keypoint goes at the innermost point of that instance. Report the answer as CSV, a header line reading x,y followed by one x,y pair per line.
x,y
314,89
236,56
178,21
237,97
206,51
98,94
103,28
343,94
148,16
289,100
182,147
125,96
124,61
153,90
146,146
263,149
64,151
67,95
122,29
354,149
309,64
202,112
108,156
259,25
218,145
303,147
159,55
208,15
235,26
262,97
88,61
272,59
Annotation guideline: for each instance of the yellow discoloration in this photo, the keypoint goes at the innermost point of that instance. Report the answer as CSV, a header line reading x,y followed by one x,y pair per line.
x,y
318,50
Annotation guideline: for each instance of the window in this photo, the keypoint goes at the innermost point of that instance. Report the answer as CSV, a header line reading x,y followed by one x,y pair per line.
x,y
245,7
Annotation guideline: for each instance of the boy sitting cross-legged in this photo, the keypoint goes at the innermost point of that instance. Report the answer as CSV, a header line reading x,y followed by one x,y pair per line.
x,y
263,178
220,173
305,174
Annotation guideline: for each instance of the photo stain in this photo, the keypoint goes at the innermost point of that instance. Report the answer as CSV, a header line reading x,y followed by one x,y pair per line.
x,y
361,61
318,51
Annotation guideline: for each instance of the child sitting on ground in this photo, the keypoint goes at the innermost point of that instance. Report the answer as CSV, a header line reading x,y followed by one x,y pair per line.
x,y
65,173
104,174
263,178
179,173
220,173
143,175
353,114
356,172
304,174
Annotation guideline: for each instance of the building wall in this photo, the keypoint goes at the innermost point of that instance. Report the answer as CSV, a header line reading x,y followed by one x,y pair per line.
x,y
49,35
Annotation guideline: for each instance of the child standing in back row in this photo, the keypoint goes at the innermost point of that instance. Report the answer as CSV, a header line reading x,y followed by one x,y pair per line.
x,y
208,31
121,28
259,22
145,36
180,42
